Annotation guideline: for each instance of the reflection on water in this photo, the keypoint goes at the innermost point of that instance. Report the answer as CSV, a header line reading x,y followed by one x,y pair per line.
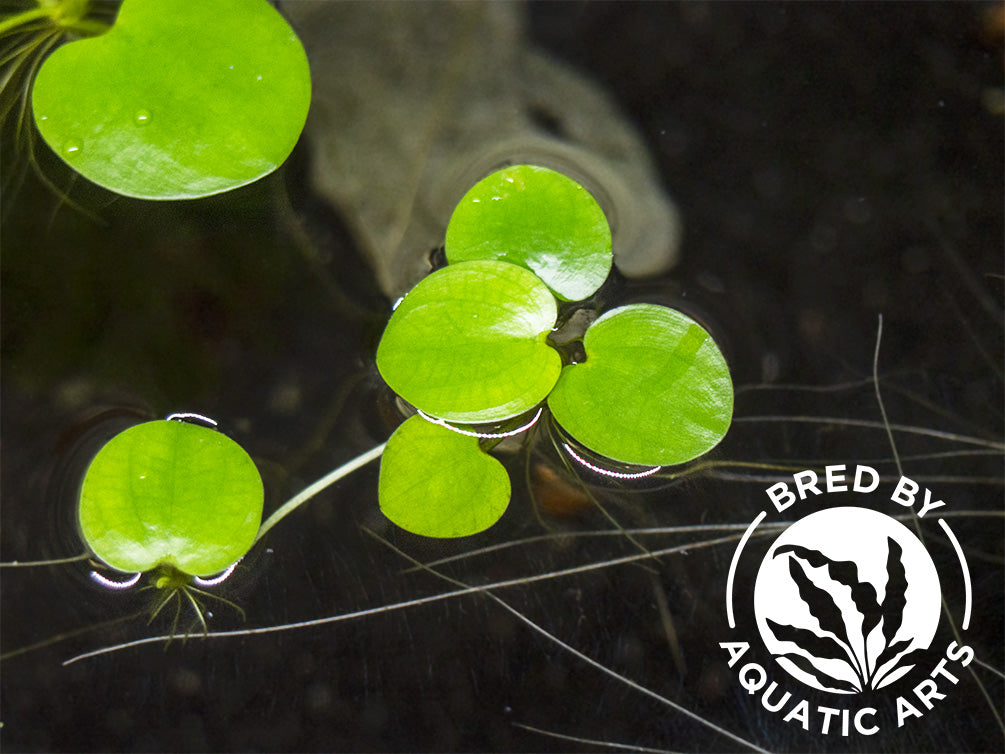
x,y
413,103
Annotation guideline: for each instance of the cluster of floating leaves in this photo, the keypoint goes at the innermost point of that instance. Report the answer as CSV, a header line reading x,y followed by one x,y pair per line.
x,y
469,347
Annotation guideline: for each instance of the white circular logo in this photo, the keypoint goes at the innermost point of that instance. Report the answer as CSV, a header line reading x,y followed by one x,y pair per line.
x,y
845,598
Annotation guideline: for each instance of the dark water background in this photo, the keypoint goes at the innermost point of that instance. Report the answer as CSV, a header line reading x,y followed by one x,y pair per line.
x,y
831,162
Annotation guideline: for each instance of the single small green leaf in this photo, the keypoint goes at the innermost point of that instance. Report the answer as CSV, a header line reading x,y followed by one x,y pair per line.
x,y
438,483
467,344
654,388
539,219
180,99
171,492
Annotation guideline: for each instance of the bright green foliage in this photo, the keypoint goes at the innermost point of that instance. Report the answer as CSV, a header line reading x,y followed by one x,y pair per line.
x,y
654,388
181,99
172,493
538,219
467,344
438,483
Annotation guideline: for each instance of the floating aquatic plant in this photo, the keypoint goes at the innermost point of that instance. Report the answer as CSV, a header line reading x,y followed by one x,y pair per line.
x,y
178,99
173,498
469,346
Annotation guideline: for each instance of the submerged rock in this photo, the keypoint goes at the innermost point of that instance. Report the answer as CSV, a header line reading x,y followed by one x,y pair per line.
x,y
415,102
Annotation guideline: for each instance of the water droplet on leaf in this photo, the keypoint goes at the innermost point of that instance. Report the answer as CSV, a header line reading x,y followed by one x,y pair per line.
x,y
142,117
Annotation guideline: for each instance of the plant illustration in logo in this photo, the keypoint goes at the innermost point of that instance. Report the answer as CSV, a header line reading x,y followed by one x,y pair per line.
x,y
846,599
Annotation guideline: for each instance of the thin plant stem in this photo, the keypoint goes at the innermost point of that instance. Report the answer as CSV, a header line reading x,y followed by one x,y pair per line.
x,y
879,396
313,489
576,653
87,26
419,601
605,745
198,610
867,423
915,518
388,608
54,561
68,635
22,18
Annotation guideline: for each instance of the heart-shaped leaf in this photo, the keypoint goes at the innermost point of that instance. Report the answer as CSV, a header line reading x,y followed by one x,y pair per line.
x,y
168,492
539,219
181,99
438,483
654,388
467,344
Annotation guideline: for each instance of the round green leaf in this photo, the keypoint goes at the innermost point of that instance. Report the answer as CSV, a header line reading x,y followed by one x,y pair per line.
x,y
168,492
181,99
467,344
438,483
654,388
538,219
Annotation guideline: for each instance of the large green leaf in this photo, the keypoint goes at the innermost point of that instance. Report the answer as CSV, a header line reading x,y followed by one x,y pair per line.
x,y
171,492
181,99
467,344
654,388
538,219
438,483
